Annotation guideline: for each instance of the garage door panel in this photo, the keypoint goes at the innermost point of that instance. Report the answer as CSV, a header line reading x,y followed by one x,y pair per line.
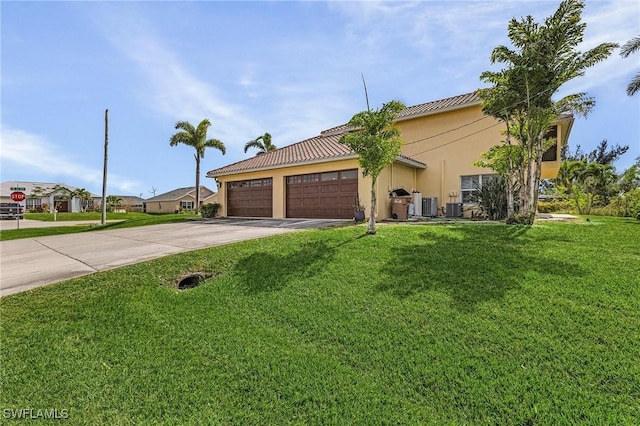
x,y
330,188
322,195
250,198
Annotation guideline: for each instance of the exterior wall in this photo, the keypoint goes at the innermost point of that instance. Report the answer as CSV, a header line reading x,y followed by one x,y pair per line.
x,y
394,177
162,206
280,183
550,168
449,143
170,206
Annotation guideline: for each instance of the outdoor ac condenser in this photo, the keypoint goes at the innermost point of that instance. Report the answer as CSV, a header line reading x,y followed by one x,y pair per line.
x,y
430,206
454,209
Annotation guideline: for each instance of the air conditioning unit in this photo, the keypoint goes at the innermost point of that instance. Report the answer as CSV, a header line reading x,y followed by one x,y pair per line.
x,y
430,206
454,210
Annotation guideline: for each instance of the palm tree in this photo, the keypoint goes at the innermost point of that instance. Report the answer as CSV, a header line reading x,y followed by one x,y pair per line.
x,y
113,201
84,197
197,138
544,57
627,49
262,143
377,142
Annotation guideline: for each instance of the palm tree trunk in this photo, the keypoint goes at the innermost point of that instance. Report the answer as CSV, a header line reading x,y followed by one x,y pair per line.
x,y
197,207
510,175
371,229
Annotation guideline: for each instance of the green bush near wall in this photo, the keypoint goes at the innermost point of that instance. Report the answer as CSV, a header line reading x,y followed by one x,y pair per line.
x,y
210,210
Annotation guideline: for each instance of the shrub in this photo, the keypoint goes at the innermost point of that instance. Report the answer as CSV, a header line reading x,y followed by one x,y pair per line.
x,y
553,206
627,205
210,210
492,198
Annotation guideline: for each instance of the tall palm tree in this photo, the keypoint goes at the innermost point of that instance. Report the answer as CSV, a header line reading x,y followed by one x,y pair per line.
x,y
262,143
197,138
627,49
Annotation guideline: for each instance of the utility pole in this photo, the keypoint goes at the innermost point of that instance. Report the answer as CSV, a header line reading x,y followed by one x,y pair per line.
x,y
104,173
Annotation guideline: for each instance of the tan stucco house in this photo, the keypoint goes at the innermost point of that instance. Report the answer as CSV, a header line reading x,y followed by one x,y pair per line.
x,y
178,200
320,177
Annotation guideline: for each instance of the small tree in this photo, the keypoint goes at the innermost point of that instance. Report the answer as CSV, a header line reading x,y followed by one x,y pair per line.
x,y
84,196
582,181
377,142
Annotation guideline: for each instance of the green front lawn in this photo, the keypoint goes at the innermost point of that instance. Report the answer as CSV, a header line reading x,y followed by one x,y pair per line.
x,y
461,324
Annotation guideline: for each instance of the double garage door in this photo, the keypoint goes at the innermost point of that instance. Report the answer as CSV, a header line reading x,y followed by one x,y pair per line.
x,y
329,195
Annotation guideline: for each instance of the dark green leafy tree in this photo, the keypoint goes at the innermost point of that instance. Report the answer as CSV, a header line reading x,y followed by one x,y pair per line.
x,y
262,143
601,155
196,137
630,179
543,57
377,142
627,49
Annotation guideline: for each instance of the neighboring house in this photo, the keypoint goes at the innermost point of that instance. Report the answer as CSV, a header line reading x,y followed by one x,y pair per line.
x,y
320,177
132,203
46,195
178,200
128,203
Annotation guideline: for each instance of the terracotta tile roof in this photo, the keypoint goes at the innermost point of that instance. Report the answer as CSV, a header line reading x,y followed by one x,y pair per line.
x,y
326,146
421,110
316,149
453,102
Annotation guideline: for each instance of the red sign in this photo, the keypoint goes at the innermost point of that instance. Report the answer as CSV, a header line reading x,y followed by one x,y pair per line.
x,y
18,196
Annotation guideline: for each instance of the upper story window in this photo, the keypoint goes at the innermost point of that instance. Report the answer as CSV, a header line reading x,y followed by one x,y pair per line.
x,y
551,154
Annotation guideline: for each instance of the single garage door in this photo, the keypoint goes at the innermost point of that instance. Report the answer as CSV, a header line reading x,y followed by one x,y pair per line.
x,y
329,195
250,198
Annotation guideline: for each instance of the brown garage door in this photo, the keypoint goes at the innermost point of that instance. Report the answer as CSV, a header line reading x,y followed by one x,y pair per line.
x,y
250,198
329,195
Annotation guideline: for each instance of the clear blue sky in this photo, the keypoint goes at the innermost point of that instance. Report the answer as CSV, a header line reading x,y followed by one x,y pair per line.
x,y
288,68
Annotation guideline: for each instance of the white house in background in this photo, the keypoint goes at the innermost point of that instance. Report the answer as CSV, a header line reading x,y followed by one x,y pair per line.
x,y
46,195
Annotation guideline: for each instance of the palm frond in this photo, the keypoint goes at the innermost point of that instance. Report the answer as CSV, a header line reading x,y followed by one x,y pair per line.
x,y
634,85
630,47
186,126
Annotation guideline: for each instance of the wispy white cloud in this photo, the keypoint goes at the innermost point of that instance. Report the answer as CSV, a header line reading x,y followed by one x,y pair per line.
x,y
34,153
170,87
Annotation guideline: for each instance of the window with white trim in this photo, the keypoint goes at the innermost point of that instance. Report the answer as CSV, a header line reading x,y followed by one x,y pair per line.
x,y
186,205
469,185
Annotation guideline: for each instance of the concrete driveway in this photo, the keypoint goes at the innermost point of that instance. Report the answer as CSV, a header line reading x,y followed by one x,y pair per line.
x,y
35,262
